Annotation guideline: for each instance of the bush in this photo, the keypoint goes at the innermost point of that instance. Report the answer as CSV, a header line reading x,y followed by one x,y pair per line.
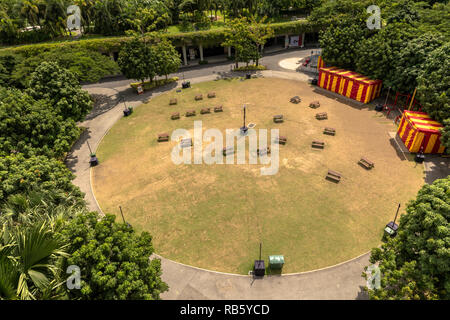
x,y
20,175
251,68
113,259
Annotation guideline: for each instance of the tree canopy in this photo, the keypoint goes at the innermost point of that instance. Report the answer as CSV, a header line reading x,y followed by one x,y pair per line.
x,y
33,127
113,259
414,265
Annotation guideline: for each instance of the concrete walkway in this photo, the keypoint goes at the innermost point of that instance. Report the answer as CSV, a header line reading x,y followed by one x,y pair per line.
x,y
343,281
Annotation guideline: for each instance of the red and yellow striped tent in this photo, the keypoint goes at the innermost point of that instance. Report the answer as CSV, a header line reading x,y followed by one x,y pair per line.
x,y
417,130
320,63
350,84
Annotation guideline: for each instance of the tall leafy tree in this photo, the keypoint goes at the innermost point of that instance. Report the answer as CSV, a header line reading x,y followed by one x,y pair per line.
x,y
113,259
408,62
415,264
376,55
31,256
340,43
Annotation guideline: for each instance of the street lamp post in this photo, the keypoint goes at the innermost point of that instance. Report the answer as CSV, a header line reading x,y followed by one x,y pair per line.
x,y
244,128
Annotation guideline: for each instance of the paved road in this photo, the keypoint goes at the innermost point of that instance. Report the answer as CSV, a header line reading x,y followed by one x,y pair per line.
x,y
343,281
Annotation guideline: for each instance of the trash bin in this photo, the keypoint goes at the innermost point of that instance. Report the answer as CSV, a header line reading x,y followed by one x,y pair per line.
x,y
259,268
276,262
248,76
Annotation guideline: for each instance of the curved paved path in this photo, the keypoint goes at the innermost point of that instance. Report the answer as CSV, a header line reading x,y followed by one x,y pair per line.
x,y
343,281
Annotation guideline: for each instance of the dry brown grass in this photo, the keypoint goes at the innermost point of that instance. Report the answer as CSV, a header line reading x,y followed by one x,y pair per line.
x,y
214,216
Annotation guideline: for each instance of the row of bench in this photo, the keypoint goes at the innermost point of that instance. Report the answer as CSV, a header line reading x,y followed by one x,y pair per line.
x,y
198,97
192,113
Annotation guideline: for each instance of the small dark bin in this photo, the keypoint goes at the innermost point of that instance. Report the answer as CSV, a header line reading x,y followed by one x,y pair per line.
x,y
314,82
259,268
248,76
420,157
186,84
379,107
93,161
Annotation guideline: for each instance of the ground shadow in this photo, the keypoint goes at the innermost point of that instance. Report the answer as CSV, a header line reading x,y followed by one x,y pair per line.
x,y
436,167
71,160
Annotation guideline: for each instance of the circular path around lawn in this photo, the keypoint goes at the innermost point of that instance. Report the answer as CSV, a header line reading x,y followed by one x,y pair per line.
x,y
339,282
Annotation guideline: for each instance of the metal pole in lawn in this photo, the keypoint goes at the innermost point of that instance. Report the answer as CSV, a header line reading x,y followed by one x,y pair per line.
x,y
396,213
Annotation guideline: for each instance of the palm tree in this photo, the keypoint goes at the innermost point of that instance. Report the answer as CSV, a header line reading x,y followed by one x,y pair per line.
x,y
31,256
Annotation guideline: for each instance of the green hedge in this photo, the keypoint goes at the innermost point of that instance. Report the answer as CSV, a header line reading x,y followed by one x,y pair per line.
x,y
112,44
251,68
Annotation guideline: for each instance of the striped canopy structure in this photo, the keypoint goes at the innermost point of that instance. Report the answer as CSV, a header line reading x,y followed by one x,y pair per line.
x,y
417,130
320,63
350,84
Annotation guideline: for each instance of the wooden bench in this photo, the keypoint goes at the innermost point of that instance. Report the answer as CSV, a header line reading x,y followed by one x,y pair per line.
x,y
321,116
228,150
190,113
281,140
314,104
163,137
334,176
278,118
173,101
186,143
366,163
175,116
296,99
198,97
211,95
318,144
262,152
329,131
218,109
205,110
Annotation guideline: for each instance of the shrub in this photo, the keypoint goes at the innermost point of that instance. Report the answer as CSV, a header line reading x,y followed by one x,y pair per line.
x,y
33,127
251,68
